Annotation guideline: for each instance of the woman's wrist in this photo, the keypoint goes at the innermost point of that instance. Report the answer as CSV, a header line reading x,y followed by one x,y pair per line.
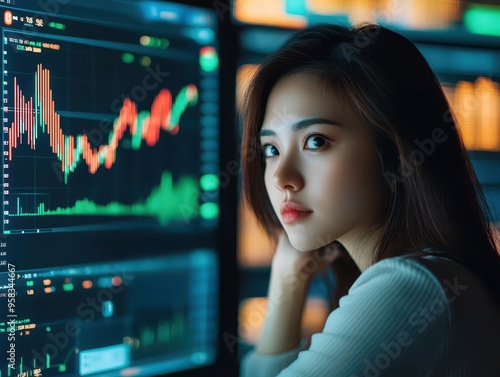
x,y
294,271
286,298
287,285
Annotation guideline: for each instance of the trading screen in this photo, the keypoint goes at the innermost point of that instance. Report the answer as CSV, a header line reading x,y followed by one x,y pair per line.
x,y
108,256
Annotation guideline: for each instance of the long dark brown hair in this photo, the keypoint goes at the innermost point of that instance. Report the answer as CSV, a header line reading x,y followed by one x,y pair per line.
x,y
435,200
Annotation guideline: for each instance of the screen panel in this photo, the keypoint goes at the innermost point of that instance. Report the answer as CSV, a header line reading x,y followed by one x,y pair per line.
x,y
111,211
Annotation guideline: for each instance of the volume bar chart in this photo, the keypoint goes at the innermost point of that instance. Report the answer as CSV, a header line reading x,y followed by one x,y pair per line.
x,y
166,202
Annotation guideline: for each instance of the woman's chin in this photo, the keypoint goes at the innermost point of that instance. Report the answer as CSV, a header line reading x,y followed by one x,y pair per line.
x,y
302,245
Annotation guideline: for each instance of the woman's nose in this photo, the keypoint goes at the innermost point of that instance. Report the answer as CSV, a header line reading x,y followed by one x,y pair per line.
x,y
287,175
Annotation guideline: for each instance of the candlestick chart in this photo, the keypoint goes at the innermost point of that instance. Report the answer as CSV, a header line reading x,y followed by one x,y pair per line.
x,y
39,115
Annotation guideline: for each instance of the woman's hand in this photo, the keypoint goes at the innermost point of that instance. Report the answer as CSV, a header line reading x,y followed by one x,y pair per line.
x,y
304,264
298,267
291,273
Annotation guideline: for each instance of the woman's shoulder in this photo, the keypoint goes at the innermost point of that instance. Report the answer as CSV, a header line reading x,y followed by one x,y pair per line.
x,y
433,272
399,285
435,264
435,284
429,265
410,268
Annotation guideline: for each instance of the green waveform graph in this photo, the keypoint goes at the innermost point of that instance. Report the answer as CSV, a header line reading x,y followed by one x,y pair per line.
x,y
163,334
166,331
166,202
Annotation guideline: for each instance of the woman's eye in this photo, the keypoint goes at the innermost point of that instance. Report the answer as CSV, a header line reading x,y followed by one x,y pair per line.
x,y
315,142
269,150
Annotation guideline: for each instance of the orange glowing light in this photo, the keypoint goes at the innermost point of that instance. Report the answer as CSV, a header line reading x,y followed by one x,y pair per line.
x,y
488,113
410,14
255,248
116,281
420,14
253,312
251,11
7,18
476,106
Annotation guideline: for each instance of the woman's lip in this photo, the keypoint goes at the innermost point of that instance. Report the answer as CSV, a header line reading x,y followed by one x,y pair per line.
x,y
291,206
291,216
291,212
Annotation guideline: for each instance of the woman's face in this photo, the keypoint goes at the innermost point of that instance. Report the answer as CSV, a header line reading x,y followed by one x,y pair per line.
x,y
322,172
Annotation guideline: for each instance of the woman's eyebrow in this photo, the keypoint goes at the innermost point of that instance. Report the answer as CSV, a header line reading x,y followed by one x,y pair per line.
x,y
304,123
301,124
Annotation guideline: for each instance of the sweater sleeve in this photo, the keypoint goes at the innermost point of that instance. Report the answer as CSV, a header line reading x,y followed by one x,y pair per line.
x,y
254,364
393,322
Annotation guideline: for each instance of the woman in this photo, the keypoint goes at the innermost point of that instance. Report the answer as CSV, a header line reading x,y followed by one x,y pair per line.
x,y
349,146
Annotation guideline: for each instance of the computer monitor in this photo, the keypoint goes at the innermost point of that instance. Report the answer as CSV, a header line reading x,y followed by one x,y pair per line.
x,y
111,252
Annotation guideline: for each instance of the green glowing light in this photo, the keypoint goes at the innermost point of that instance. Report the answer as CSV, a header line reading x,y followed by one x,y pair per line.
x,y
57,25
29,283
145,61
144,40
209,211
209,182
482,19
127,57
209,61
68,287
48,328
155,42
164,43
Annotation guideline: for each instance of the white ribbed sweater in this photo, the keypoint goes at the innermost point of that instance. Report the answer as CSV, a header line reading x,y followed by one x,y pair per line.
x,y
404,316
